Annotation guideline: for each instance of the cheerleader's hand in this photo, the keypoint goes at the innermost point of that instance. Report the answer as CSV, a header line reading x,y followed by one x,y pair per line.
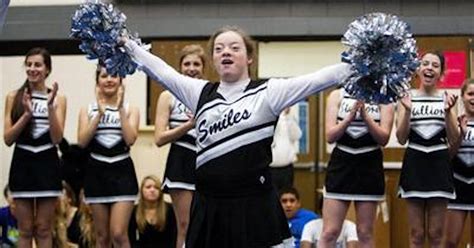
x,y
26,102
122,40
449,101
363,111
191,122
52,95
462,122
406,102
100,101
120,96
355,108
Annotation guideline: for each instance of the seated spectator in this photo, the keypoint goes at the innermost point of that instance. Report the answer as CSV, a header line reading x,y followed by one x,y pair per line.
x,y
152,223
313,229
66,232
86,224
297,216
8,223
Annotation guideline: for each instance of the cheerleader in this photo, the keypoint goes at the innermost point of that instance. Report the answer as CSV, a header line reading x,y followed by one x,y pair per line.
x,y
34,121
355,169
463,172
108,128
427,120
175,123
235,204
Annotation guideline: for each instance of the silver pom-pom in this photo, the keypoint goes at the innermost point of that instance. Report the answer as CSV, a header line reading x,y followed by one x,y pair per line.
x,y
100,26
383,55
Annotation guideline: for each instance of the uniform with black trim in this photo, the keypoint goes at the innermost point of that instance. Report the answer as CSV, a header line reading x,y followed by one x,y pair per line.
x,y
426,171
355,169
35,170
181,162
463,173
110,174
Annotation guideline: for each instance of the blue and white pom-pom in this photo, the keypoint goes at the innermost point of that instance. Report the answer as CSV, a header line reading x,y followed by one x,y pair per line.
x,y
383,55
99,26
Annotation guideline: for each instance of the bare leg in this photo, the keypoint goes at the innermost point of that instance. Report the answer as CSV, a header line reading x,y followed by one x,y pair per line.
x,y
436,220
416,222
101,217
334,213
119,218
182,210
45,211
365,212
24,215
454,225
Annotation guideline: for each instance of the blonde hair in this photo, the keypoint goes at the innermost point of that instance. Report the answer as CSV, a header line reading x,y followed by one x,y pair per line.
x,y
192,49
59,231
160,206
86,224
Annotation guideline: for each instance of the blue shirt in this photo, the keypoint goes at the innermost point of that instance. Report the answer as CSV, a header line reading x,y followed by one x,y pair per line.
x,y
9,228
298,221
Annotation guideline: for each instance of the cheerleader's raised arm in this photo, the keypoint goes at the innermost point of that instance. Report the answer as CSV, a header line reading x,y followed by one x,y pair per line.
x,y
185,88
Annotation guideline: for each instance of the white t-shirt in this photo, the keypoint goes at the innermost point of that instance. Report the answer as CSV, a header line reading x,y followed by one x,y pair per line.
x,y
313,229
284,146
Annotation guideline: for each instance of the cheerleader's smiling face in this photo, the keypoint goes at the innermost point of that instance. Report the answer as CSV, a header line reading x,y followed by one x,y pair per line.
x,y
230,57
192,66
36,69
468,99
150,191
290,204
108,84
430,70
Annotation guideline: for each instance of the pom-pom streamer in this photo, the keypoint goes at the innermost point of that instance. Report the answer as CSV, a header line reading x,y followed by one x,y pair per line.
x,y
99,26
383,55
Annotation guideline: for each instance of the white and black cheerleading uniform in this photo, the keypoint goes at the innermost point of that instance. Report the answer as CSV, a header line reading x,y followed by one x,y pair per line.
x,y
426,171
109,175
463,173
355,169
181,163
35,167
235,204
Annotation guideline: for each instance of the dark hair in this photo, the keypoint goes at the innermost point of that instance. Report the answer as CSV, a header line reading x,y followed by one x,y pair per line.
x,y
17,109
192,49
465,84
248,41
440,56
290,190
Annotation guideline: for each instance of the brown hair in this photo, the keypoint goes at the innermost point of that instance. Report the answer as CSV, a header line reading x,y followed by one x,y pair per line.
x,y
101,65
17,109
465,84
192,49
248,41
440,56
161,207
